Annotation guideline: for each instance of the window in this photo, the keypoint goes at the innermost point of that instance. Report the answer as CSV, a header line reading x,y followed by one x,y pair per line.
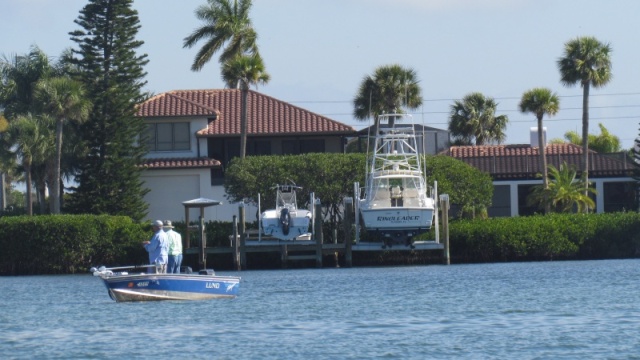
x,y
619,196
262,147
302,146
168,136
289,147
311,146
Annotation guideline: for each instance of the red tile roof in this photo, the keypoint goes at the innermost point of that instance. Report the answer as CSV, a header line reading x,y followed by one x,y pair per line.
x,y
266,115
522,161
179,163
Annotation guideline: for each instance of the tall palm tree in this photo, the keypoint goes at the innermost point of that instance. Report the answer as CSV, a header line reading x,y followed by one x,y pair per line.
x,y
473,121
242,72
225,22
586,61
27,134
390,89
64,99
541,102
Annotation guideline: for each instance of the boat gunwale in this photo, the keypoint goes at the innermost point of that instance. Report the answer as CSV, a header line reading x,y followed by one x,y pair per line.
x,y
193,277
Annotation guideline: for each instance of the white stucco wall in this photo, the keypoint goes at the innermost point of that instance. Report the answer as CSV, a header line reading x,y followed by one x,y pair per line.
x,y
169,188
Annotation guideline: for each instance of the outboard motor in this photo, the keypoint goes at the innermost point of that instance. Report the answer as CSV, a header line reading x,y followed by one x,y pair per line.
x,y
285,220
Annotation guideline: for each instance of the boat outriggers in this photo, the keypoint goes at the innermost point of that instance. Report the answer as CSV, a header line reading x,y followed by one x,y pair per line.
x,y
286,221
133,283
397,204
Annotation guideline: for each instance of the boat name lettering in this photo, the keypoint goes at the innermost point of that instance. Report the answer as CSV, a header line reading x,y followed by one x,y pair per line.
x,y
399,218
213,285
142,284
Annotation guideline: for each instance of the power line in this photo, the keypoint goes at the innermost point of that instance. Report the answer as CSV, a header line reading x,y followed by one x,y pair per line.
x,y
456,99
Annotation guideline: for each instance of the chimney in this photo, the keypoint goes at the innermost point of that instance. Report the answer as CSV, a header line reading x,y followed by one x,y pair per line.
x,y
534,136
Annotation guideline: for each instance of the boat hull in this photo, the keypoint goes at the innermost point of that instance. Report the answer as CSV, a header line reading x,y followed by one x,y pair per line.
x,y
298,224
397,225
397,218
156,287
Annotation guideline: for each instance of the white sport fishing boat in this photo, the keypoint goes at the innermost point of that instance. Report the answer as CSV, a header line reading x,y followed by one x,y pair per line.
x,y
397,203
286,221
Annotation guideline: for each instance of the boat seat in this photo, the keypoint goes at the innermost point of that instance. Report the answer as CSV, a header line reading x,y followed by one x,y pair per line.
x,y
411,202
381,194
410,193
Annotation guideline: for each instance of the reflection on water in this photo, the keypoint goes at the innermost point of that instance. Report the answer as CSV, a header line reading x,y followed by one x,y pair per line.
x,y
526,310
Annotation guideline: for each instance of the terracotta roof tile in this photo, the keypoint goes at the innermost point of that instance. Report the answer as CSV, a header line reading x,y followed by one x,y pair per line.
x,y
522,161
179,163
172,104
266,115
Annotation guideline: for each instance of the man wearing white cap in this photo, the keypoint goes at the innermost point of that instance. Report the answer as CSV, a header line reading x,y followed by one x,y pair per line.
x,y
157,248
175,248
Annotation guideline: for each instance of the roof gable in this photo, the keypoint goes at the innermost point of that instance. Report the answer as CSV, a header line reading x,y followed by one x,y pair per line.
x,y
266,115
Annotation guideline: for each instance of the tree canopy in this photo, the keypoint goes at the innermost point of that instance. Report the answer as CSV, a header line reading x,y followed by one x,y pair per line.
x,y
565,192
331,177
112,73
604,143
474,121
226,27
390,89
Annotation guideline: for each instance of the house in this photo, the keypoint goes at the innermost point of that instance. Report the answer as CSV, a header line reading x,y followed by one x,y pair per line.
x,y
516,168
193,134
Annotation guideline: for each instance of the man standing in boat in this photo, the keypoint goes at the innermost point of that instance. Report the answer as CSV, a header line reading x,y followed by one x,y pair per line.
x,y
175,248
158,248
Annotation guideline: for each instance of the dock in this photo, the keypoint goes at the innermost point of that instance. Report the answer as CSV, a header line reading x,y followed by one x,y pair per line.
x,y
314,248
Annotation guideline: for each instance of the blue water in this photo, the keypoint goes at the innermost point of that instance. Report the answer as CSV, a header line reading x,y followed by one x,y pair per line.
x,y
547,310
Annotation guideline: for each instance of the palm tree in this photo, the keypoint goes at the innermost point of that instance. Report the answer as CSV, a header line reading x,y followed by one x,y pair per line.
x,y
29,142
474,120
64,99
586,61
603,143
226,22
242,72
4,160
541,101
565,191
390,89
18,77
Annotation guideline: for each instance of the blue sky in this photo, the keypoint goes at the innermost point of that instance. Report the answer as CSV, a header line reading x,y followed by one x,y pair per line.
x,y
318,51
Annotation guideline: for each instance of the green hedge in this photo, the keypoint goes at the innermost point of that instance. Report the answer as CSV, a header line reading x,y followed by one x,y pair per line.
x,y
546,237
66,244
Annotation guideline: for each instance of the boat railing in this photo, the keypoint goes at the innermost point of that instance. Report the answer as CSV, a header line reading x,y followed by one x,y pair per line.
x,y
389,195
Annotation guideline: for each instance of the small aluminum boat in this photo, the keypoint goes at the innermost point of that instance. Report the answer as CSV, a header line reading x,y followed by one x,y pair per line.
x,y
128,283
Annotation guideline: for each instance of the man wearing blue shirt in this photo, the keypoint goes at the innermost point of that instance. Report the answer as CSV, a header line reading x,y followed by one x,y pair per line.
x,y
158,248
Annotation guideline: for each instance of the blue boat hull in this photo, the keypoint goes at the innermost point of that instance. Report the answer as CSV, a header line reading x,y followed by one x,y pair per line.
x,y
155,287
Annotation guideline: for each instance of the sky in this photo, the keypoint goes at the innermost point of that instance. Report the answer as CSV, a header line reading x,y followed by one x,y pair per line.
x,y
318,51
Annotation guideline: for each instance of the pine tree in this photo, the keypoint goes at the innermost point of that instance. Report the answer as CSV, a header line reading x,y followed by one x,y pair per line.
x,y
106,62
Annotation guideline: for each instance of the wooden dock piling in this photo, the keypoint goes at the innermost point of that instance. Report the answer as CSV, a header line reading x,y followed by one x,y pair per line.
x,y
444,205
318,235
348,227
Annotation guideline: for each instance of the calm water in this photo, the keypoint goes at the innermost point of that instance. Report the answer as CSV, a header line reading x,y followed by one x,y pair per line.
x,y
550,310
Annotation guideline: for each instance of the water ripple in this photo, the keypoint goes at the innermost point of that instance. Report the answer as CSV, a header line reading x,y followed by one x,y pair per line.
x,y
552,310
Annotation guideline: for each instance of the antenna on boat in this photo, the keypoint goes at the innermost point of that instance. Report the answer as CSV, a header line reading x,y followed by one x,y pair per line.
x,y
423,143
259,220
